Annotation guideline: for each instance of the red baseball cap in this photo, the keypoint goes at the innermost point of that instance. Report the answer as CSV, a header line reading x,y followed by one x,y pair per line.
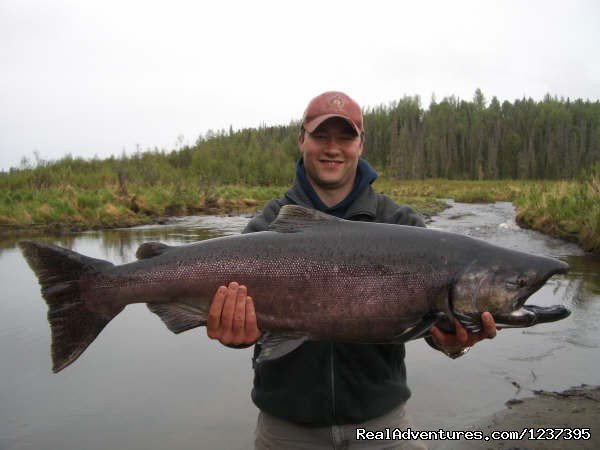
x,y
332,104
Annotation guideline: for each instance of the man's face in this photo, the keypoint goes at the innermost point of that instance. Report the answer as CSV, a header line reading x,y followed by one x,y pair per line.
x,y
331,154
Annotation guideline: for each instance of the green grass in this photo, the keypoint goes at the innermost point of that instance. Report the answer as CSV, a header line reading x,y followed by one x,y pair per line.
x,y
566,209
426,195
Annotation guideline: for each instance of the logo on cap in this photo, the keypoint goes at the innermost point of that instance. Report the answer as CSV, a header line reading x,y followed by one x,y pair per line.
x,y
337,102
330,104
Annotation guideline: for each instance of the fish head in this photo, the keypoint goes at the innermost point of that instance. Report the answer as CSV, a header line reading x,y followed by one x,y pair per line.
x,y
501,285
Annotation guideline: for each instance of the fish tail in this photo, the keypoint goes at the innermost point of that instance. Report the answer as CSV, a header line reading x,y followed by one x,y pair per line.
x,y
73,326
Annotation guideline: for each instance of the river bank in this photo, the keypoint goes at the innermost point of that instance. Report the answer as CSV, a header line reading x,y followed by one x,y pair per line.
x,y
69,209
575,411
135,404
569,210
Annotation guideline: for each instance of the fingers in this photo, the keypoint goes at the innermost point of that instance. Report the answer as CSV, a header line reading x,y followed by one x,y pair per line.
x,y
462,335
462,338
213,324
489,325
488,330
252,331
445,341
227,312
239,316
437,335
220,314
459,338
231,317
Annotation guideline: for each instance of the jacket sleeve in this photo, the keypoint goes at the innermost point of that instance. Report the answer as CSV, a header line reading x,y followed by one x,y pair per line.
x,y
391,212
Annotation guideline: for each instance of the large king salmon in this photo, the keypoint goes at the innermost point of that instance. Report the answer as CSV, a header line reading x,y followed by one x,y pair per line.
x,y
312,276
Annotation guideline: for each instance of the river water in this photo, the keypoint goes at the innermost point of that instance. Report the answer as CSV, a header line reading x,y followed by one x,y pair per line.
x,y
140,387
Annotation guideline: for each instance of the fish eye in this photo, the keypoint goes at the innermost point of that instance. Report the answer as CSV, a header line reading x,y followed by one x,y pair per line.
x,y
517,282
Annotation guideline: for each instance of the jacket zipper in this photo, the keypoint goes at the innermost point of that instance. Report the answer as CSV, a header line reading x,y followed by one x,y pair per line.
x,y
332,373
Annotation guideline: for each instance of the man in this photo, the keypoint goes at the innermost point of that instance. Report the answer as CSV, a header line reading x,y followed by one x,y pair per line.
x,y
316,396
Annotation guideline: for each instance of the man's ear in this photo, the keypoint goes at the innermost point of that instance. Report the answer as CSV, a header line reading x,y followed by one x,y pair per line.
x,y
362,143
301,136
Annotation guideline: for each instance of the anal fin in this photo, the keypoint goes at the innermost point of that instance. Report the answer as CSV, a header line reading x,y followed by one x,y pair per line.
x,y
178,317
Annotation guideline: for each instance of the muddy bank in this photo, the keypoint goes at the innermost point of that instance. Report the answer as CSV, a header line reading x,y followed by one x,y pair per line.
x,y
577,408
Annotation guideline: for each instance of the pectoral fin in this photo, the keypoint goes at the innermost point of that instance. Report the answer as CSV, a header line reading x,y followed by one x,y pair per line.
x,y
418,330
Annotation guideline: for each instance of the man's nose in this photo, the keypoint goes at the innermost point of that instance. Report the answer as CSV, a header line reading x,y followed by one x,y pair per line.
x,y
333,143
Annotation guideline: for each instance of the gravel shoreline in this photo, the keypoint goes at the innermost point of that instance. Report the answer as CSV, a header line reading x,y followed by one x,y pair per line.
x,y
575,408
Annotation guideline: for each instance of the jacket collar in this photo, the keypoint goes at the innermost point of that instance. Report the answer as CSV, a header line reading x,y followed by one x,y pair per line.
x,y
365,203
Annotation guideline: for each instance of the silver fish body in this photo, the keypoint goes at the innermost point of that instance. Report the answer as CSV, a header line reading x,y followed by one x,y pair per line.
x,y
312,276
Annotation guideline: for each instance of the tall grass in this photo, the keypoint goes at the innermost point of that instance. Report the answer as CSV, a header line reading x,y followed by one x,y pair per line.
x,y
63,196
565,209
468,191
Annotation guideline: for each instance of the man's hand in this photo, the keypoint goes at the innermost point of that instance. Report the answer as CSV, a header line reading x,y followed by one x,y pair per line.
x,y
231,318
451,343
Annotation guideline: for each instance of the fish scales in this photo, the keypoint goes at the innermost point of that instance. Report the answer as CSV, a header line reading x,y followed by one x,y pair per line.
x,y
310,275
298,287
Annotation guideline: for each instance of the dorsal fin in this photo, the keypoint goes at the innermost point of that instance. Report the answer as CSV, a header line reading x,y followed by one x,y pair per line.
x,y
294,218
151,249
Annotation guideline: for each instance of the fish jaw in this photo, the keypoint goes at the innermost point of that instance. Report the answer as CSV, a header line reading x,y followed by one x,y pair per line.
x,y
503,289
536,280
523,315
529,315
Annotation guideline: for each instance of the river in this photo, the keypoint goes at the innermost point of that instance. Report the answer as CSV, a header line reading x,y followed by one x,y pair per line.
x,y
140,387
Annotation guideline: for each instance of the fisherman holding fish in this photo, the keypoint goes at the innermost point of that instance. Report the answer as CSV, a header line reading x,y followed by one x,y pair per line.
x,y
319,394
327,289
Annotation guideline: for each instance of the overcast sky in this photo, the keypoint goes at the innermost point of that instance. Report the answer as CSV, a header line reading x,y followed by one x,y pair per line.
x,y
99,77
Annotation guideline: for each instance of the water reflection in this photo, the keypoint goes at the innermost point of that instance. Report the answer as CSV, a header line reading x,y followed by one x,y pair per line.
x,y
552,356
119,244
586,269
139,387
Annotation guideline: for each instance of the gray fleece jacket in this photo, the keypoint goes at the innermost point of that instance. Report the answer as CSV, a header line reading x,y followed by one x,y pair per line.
x,y
326,383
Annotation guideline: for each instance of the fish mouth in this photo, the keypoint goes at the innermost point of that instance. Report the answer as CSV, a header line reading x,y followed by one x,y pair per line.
x,y
529,315
522,296
523,315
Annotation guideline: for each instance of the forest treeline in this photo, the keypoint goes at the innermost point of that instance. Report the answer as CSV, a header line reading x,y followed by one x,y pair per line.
x,y
455,148
453,139
457,139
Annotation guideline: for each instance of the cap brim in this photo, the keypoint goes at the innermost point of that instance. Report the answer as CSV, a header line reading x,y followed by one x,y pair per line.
x,y
313,124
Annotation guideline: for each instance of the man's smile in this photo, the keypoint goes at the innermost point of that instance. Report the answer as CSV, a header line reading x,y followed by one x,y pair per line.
x,y
331,163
